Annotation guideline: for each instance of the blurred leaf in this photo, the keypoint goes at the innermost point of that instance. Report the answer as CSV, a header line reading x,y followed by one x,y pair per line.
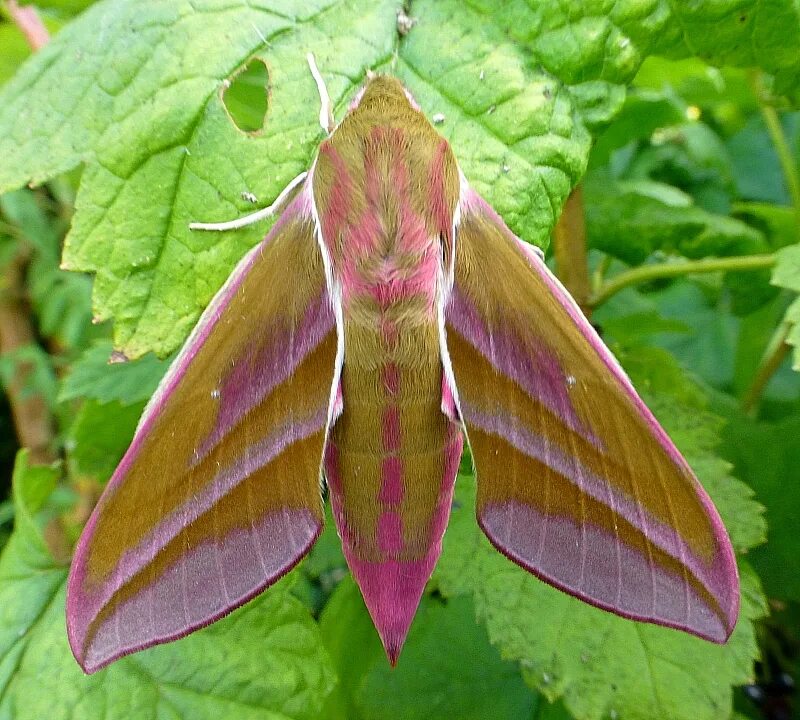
x,y
29,577
66,7
263,662
642,114
755,333
60,299
93,376
692,157
447,668
707,348
777,222
632,219
34,366
99,436
724,92
22,208
767,455
756,169
15,50
636,327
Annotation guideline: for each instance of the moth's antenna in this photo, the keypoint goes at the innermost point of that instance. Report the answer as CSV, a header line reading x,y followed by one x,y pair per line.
x,y
325,108
256,216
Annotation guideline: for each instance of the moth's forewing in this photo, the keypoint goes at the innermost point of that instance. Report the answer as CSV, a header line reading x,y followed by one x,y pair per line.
x,y
218,495
577,482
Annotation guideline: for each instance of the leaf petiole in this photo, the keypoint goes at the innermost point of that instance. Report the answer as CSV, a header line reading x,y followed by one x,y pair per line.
x,y
647,273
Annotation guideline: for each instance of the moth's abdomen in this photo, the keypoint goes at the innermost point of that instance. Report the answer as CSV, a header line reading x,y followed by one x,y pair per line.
x,y
389,442
390,463
386,187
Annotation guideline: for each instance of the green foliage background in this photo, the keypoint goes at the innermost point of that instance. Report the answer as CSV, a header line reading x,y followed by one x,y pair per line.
x,y
678,120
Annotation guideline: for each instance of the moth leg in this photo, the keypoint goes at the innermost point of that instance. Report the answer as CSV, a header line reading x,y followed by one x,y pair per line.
x,y
325,105
255,217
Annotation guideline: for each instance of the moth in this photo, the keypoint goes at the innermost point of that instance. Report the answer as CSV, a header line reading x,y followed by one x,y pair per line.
x,y
388,315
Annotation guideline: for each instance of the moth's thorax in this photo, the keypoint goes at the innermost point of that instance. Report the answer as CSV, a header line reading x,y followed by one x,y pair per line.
x,y
386,188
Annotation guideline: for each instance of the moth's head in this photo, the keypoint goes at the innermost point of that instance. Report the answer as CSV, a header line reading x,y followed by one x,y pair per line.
x,y
383,92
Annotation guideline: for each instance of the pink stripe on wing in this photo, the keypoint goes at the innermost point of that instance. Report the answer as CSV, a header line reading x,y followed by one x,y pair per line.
x,y
535,370
253,557
547,452
261,369
615,581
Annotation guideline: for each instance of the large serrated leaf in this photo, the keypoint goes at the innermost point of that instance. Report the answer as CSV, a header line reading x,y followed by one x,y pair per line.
x,y
608,39
133,89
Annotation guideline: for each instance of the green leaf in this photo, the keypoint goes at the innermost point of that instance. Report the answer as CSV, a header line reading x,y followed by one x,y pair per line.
x,y
447,668
644,112
67,7
777,222
598,663
94,376
323,568
756,168
609,41
767,455
632,219
263,662
29,577
697,432
133,89
602,665
515,131
726,94
713,332
60,299
33,366
15,50
99,436
787,275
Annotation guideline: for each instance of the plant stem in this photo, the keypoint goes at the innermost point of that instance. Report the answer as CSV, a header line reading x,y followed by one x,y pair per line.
x,y
679,269
599,275
777,348
569,244
773,358
791,173
31,415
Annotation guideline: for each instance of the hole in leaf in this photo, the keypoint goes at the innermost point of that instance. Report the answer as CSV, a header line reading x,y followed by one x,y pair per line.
x,y
246,97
